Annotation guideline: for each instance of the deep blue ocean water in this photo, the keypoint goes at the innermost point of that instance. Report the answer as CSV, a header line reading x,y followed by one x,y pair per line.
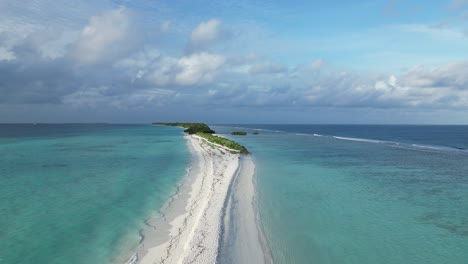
x,y
80,193
361,194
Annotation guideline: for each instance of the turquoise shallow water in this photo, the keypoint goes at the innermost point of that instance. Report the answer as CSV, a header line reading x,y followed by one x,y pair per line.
x,y
79,193
325,200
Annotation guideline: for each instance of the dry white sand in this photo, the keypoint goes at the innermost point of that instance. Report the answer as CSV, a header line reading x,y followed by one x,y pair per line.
x,y
195,221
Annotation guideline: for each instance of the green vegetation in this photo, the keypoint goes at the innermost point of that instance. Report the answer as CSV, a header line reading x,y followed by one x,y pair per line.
x,y
224,142
199,128
204,131
239,133
191,128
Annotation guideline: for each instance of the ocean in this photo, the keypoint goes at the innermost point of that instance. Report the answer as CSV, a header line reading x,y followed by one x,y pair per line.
x,y
80,193
326,194
361,194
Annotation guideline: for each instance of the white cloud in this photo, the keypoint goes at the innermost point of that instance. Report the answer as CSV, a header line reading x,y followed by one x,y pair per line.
x,y
13,33
105,35
149,64
443,87
162,70
453,75
198,68
6,54
205,33
52,44
38,66
44,29
439,87
162,73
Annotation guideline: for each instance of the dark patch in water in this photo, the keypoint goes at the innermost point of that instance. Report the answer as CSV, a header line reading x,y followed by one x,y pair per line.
x,y
58,144
161,141
100,148
441,221
65,149
54,165
459,230
434,191
429,217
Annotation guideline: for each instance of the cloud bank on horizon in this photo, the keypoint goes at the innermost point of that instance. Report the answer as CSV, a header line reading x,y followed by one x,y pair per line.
x,y
234,62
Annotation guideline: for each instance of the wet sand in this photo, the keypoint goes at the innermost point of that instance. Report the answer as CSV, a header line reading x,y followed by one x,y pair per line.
x,y
196,226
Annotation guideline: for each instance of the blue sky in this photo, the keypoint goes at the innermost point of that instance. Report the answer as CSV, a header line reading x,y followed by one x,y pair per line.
x,y
392,61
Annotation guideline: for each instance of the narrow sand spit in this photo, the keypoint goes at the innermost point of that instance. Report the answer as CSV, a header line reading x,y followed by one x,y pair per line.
x,y
242,234
196,231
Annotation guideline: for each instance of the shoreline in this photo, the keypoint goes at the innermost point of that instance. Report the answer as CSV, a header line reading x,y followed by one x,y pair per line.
x,y
198,222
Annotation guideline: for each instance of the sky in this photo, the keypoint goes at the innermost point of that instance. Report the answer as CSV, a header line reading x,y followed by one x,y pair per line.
x,y
256,61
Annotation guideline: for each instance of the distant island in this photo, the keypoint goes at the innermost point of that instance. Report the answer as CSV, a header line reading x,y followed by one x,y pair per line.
x,y
204,131
239,133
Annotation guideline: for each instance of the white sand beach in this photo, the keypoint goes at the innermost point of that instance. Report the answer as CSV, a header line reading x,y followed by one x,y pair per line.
x,y
197,221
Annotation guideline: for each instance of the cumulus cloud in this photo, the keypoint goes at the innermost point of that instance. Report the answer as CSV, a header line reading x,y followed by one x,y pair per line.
x,y
443,87
198,68
452,75
397,93
94,63
47,44
104,36
205,34
162,70
6,55
438,87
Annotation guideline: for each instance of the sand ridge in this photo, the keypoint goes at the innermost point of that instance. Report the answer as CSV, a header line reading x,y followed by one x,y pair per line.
x,y
194,235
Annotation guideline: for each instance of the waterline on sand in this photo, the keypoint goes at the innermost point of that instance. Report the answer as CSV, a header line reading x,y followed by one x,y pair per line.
x,y
195,225
243,240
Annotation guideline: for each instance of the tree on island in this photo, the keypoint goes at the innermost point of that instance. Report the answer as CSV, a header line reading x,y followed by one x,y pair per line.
x,y
239,133
191,128
204,131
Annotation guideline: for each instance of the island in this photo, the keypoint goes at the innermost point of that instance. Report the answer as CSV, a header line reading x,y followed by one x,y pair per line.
x,y
204,131
218,193
239,133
